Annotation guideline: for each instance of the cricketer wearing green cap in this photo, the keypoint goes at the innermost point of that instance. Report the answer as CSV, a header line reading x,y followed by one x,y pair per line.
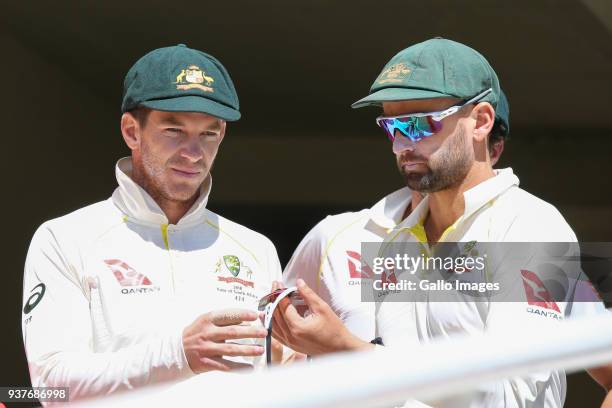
x,y
322,256
443,113
147,286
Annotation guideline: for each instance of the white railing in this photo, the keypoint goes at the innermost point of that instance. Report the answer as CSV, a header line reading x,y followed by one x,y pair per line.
x,y
387,375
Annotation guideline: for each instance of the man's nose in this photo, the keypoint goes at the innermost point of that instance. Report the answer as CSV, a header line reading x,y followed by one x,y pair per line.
x,y
192,149
402,143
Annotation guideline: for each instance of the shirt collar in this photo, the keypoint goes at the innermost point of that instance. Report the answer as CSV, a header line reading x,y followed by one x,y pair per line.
x,y
474,198
488,190
136,203
388,212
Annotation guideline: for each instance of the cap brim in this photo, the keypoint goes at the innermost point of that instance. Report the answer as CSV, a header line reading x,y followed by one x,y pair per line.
x,y
397,94
191,103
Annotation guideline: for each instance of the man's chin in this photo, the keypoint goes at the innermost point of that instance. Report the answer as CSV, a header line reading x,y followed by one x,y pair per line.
x,y
420,182
182,194
415,185
413,175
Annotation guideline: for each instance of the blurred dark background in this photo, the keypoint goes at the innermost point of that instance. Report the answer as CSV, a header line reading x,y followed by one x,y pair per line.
x,y
299,153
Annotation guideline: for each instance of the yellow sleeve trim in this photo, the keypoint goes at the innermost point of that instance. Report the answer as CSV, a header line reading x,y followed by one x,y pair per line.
x,y
328,246
233,239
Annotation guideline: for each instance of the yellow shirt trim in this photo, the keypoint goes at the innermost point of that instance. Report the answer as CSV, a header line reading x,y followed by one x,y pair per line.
x,y
218,228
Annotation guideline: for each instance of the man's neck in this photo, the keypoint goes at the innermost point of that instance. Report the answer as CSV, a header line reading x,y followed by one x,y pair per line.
x,y
415,199
174,210
446,206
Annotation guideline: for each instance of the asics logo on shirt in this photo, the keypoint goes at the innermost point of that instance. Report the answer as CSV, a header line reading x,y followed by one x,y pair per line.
x,y
37,294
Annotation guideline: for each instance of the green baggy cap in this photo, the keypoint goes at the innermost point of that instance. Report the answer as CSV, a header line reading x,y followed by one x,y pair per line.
x,y
181,79
436,68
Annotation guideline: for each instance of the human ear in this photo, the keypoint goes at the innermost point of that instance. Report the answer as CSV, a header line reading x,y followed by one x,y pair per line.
x,y
484,115
222,131
130,129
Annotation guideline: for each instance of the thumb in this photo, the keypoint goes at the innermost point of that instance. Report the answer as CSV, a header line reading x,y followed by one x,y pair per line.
x,y
312,300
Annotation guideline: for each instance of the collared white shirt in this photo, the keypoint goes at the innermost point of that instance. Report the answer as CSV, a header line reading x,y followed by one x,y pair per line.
x,y
109,288
496,210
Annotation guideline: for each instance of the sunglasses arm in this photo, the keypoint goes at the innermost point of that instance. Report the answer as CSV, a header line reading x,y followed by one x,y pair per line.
x,y
438,116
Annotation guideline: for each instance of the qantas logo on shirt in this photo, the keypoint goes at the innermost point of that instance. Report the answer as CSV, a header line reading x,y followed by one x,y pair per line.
x,y
537,294
125,274
358,271
131,280
354,266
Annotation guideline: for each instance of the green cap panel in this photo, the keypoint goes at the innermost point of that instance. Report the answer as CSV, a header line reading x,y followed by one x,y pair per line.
x,y
436,68
502,113
181,79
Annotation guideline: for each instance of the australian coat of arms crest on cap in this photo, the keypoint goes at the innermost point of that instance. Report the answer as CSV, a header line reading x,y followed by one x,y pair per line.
x,y
395,73
193,77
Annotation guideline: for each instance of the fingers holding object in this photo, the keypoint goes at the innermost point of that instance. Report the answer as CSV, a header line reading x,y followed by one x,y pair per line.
x,y
229,317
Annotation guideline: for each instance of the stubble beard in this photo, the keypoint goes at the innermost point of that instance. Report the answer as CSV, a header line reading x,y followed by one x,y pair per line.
x,y
445,168
152,180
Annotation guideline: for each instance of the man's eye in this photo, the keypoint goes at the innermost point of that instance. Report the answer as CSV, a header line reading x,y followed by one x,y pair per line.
x,y
210,134
172,131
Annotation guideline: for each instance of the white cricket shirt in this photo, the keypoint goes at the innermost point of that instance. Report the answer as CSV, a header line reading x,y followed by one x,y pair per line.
x,y
108,289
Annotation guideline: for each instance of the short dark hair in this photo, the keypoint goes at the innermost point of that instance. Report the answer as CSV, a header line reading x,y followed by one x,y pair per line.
x,y
498,132
140,114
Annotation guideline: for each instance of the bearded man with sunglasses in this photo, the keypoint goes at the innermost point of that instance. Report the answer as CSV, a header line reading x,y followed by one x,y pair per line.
x,y
439,100
328,259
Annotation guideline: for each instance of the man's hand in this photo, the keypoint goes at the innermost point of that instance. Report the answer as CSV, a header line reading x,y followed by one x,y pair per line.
x,y
204,341
277,351
282,356
318,333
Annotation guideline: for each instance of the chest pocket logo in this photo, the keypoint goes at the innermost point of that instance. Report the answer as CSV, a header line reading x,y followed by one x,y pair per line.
x,y
233,265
